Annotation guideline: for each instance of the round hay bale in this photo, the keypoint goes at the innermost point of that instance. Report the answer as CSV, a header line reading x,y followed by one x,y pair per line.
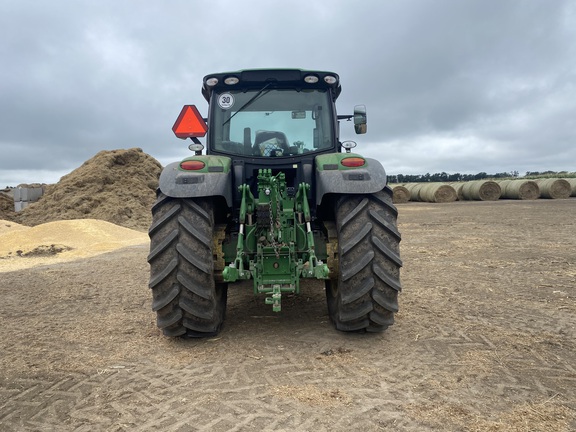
x,y
414,189
572,182
481,190
554,188
438,193
458,188
519,189
400,194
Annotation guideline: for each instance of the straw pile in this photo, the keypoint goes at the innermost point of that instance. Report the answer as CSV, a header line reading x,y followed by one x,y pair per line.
x,y
61,241
117,186
7,206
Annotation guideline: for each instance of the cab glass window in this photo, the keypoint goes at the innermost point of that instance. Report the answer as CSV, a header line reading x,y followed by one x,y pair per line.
x,y
271,122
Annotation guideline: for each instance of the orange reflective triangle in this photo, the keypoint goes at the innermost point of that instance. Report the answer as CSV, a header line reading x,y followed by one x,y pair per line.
x,y
189,123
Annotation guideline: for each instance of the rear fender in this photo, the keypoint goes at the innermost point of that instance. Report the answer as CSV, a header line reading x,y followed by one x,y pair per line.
x,y
333,177
214,179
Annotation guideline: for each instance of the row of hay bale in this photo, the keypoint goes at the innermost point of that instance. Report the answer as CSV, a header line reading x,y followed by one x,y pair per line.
x,y
485,190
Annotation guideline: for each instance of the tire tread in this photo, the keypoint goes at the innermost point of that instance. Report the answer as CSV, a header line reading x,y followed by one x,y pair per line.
x,y
365,295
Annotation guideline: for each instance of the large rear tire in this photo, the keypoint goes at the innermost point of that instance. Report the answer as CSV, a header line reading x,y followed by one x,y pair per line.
x,y
186,299
363,296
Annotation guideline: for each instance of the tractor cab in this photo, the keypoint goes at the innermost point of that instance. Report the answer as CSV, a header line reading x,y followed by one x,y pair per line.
x,y
279,118
272,113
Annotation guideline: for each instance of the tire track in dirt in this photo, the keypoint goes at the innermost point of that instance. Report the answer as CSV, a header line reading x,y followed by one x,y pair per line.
x,y
81,351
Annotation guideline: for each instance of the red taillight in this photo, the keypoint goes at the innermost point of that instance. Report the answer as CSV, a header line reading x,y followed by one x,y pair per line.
x,y
353,162
192,165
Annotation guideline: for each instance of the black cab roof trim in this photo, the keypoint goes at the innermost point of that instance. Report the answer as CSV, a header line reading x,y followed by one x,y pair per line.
x,y
276,78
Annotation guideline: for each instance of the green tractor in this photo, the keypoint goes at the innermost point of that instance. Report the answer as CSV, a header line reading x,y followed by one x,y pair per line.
x,y
276,198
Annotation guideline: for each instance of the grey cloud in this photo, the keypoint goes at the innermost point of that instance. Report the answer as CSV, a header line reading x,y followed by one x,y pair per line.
x,y
435,75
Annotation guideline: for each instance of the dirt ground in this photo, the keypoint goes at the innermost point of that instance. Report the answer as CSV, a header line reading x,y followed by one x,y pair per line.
x,y
485,340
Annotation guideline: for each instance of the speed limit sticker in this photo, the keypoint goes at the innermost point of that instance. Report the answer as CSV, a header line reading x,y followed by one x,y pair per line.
x,y
225,100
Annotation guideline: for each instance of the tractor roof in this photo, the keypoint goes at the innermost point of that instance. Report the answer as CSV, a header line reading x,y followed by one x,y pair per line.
x,y
274,78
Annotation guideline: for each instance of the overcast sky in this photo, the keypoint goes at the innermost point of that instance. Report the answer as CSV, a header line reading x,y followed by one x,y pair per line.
x,y
449,85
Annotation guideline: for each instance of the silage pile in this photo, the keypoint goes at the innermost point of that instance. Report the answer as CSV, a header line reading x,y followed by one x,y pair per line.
x,y
116,186
7,206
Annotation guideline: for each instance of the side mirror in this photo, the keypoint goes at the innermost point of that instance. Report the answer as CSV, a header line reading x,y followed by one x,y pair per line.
x,y
360,119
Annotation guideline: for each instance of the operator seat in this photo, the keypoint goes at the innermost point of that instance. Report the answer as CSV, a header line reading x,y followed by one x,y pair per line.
x,y
276,140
